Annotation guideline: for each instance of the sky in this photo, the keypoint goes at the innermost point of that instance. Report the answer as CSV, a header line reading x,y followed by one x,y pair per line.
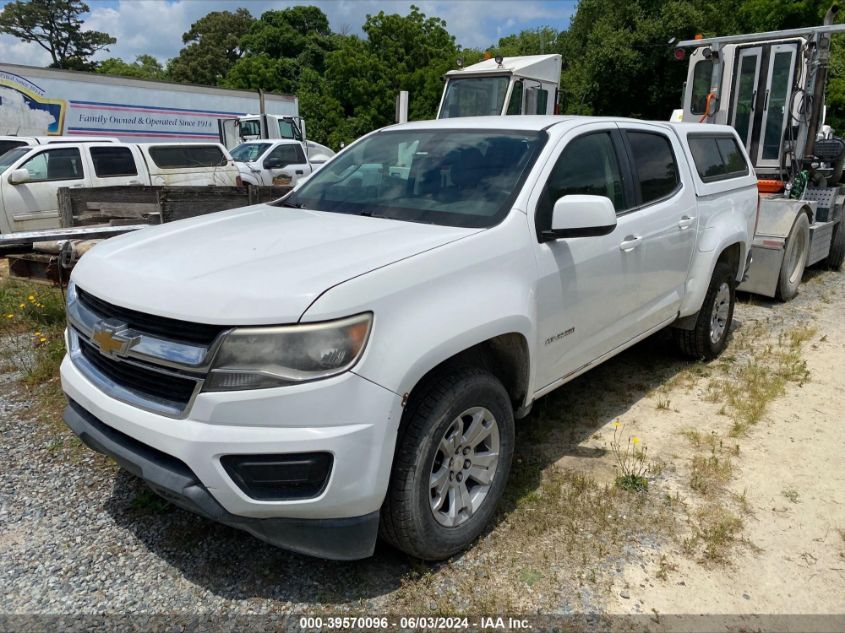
x,y
155,27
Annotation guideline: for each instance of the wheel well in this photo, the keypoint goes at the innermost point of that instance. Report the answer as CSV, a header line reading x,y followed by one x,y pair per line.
x,y
732,255
505,356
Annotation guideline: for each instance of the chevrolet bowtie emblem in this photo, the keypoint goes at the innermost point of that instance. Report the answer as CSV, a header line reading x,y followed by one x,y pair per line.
x,y
110,336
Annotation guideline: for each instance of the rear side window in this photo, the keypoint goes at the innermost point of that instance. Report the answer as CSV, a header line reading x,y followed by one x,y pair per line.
x,y
187,156
110,162
717,157
654,164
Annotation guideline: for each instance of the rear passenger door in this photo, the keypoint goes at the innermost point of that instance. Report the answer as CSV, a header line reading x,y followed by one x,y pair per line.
x,y
113,165
661,227
34,205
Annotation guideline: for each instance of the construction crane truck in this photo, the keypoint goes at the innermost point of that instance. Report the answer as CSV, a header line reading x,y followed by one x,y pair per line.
x,y
771,88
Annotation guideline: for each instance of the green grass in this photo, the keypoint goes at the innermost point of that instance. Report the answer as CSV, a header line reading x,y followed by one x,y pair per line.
x,y
32,323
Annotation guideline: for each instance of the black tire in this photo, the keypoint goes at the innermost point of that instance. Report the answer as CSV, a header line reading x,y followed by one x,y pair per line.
x,y
407,518
699,342
795,253
837,248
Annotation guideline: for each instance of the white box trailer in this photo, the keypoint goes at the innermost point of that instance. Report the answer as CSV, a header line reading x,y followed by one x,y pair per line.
x,y
45,101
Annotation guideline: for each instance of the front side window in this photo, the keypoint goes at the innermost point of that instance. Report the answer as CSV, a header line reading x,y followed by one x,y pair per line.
x,y
285,155
187,156
449,177
654,164
474,96
587,166
110,162
701,77
515,104
55,164
249,152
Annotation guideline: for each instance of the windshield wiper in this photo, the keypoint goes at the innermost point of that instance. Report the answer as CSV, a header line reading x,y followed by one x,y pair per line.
x,y
292,205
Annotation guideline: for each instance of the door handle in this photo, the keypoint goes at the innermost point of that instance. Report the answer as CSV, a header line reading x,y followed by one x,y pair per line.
x,y
766,105
300,172
629,243
685,222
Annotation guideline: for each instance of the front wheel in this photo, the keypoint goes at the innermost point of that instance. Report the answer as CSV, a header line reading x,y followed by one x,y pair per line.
x,y
453,457
710,335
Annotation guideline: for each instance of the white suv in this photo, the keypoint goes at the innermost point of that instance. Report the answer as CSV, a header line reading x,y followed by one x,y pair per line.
x,y
349,361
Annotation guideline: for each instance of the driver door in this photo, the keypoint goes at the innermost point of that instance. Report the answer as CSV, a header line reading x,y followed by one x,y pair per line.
x,y
587,285
34,205
284,165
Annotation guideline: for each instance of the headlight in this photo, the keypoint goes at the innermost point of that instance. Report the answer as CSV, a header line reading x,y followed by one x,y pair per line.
x,y
256,358
71,291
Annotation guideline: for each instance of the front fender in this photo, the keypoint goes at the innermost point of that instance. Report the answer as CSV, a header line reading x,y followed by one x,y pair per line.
x,y
434,305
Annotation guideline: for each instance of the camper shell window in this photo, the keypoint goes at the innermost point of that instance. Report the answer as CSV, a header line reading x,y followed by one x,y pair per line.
x,y
187,156
717,157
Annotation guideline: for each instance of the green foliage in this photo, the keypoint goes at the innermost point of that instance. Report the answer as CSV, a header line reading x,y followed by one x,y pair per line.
x,y
55,25
213,46
144,67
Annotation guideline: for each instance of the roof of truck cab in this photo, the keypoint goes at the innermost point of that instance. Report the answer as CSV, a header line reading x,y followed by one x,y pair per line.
x,y
542,122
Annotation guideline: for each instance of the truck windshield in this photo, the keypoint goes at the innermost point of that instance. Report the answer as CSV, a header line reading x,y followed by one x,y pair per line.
x,y
451,177
248,152
9,158
474,96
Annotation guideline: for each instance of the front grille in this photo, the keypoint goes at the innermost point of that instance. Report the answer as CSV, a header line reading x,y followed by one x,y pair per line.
x,y
175,329
147,382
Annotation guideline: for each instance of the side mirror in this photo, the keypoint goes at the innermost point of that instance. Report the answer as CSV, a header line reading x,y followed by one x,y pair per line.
x,y
19,177
273,163
581,216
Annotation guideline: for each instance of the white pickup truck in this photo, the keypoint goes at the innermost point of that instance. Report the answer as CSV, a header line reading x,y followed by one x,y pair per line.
x,y
267,163
31,175
349,361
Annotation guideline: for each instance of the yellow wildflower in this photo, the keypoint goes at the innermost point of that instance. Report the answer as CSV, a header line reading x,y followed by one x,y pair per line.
x,y
616,424
31,298
10,316
636,441
23,305
43,339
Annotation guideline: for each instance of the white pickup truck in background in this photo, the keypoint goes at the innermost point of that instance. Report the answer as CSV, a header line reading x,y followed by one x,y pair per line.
x,y
349,361
268,163
30,176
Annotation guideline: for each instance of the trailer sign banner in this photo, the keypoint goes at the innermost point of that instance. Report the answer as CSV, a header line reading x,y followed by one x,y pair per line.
x,y
43,101
87,118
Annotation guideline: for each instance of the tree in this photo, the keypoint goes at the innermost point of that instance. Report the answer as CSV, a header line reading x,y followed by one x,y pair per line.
x,y
55,25
213,46
144,67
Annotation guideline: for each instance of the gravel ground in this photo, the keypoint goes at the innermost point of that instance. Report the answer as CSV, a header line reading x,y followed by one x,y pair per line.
x,y
79,536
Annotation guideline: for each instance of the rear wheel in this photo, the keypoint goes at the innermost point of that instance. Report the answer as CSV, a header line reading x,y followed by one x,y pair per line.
x,y
796,251
710,335
452,462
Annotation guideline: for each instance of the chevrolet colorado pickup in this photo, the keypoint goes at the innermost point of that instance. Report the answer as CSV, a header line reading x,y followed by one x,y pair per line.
x,y
348,361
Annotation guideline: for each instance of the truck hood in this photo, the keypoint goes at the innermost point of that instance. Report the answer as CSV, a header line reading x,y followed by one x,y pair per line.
x,y
252,266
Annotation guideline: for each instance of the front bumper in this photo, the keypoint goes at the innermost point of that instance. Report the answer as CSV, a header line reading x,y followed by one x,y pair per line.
x,y
348,416
348,538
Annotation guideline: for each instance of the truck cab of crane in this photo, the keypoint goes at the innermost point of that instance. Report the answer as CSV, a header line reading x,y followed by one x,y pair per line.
x,y
770,87
502,86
